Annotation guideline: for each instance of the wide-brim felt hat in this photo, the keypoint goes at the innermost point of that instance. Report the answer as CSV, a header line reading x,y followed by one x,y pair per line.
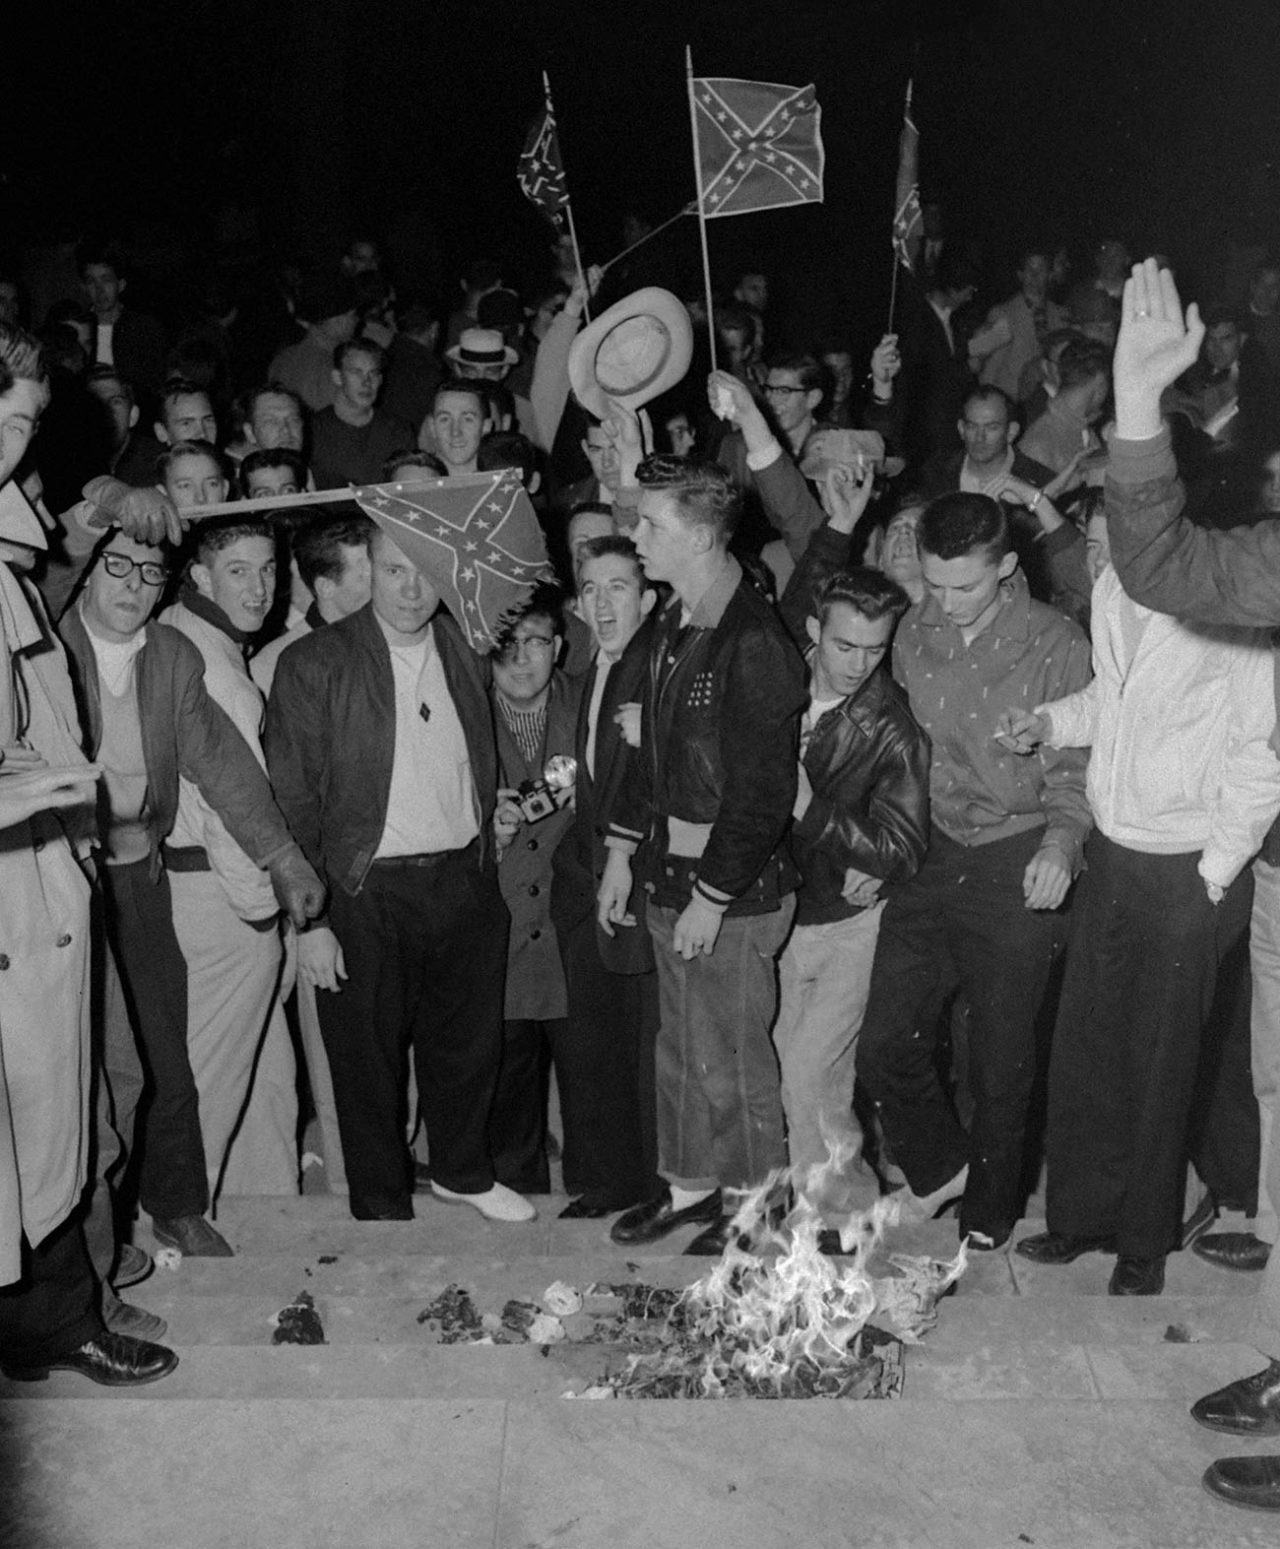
x,y
633,352
482,347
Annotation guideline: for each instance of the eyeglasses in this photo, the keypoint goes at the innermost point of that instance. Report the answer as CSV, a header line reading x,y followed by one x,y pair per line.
x,y
778,391
529,645
120,565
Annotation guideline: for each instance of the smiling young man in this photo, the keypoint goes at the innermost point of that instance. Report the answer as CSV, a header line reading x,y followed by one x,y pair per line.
x,y
380,743
453,430
353,437
709,798
861,820
984,911
224,912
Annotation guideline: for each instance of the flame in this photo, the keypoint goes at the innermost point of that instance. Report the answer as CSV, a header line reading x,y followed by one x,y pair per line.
x,y
777,1311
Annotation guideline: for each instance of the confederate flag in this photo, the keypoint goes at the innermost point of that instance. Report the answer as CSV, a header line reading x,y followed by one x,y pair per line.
x,y
759,145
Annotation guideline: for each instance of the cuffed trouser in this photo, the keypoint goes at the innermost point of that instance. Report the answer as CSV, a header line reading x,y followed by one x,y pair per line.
x,y
824,978
1264,964
119,1087
233,971
960,921
172,1180
426,950
53,1308
1141,966
605,1076
719,1108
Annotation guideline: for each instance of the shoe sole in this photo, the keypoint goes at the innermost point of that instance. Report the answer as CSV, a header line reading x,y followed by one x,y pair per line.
x,y
1226,1500
42,1374
1251,1434
172,1242
1234,1269
501,1220
122,1282
1055,1263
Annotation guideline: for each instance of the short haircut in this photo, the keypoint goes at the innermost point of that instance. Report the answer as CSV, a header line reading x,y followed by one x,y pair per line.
x,y
545,601
358,346
507,449
416,312
1215,317
958,524
89,253
614,543
810,370
411,457
275,457
208,539
988,392
1082,360
272,389
481,274
702,492
868,592
318,547
182,387
468,385
21,358
177,449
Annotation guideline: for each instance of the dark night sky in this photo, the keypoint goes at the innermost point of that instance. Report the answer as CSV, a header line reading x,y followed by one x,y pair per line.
x,y
1156,120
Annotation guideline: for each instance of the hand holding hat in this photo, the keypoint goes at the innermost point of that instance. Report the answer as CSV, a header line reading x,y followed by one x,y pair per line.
x,y
631,353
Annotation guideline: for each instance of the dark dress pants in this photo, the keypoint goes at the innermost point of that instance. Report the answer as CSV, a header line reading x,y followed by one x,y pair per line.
x,y
172,1179
961,921
1142,964
425,949
605,1073
53,1308
518,1117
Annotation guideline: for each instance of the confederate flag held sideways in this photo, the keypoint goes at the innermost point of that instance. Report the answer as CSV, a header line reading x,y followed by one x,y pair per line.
x,y
908,223
541,169
473,536
759,145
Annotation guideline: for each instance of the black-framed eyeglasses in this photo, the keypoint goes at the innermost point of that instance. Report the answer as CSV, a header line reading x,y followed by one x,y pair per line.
x,y
527,645
120,565
772,390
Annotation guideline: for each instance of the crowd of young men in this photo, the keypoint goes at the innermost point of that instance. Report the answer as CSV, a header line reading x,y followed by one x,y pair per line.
x,y
851,792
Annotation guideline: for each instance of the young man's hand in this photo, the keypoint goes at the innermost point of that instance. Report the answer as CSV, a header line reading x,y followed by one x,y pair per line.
x,y
1155,346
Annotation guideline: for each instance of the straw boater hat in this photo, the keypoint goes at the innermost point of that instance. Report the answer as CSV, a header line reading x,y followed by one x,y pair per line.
x,y
481,347
637,349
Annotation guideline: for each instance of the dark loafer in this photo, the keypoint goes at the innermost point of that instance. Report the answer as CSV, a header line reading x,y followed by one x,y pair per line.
x,y
1233,1250
1248,1407
124,1318
132,1265
193,1236
1056,1248
114,1360
656,1217
1137,1277
711,1242
1250,1482
586,1209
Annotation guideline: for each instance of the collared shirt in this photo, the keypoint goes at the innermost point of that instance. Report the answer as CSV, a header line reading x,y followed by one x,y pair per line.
x,y
602,667
973,485
979,791
430,806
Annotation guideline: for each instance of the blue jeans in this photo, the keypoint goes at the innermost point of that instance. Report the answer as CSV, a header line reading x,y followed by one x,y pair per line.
x,y
719,1108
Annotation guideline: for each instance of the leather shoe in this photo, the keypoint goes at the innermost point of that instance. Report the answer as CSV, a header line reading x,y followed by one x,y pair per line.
x,y
1200,1220
1233,1250
1248,1407
1058,1248
124,1318
1136,1277
193,1236
584,1208
656,1217
114,1360
132,1265
1250,1482
712,1240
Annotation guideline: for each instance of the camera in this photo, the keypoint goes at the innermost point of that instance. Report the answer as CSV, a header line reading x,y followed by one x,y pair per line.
x,y
538,799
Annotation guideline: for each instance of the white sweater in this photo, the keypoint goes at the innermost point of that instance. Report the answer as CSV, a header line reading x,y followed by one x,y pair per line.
x,y
1179,724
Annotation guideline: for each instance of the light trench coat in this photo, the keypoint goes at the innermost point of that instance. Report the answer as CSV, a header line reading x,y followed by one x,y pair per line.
x,y
44,952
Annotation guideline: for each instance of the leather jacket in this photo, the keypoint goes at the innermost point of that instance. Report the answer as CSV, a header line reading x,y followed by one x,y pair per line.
x,y
868,764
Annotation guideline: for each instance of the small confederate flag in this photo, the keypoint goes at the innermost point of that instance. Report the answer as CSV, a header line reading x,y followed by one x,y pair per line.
x,y
541,169
474,536
759,145
908,223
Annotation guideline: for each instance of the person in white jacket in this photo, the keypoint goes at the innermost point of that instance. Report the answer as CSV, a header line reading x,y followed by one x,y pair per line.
x,y
1184,784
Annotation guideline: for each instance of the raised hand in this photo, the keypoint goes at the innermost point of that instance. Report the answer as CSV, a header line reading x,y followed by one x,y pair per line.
x,y
1156,344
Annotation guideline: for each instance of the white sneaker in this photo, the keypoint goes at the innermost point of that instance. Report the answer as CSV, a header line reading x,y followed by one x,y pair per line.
x,y
923,1207
496,1204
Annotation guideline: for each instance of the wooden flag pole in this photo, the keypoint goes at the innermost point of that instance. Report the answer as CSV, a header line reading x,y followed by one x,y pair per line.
x,y
321,497
702,214
897,260
649,236
568,210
